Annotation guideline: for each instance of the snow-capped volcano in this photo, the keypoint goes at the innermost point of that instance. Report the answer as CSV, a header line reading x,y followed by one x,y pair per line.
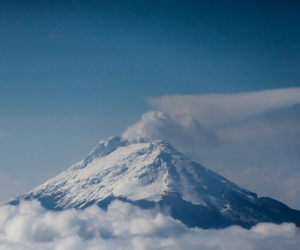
x,y
154,173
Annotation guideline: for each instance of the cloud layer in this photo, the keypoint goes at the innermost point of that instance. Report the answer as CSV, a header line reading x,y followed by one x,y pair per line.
x,y
123,226
250,138
223,108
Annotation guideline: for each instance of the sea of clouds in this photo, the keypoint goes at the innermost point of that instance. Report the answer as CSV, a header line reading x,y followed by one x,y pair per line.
x,y
124,226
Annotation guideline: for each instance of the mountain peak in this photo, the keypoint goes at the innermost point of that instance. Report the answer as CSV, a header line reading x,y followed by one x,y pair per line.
x,y
154,173
102,149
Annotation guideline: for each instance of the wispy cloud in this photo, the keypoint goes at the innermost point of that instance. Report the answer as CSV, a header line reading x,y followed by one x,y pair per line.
x,y
222,108
2,133
123,226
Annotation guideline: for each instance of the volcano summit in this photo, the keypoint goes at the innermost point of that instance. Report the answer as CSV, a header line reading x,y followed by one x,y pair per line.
x,y
149,174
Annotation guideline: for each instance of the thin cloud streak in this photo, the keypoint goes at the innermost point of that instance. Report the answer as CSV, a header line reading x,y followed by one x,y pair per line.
x,y
212,109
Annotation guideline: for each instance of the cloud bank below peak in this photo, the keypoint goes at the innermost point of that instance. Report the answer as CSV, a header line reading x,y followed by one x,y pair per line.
x,y
210,109
123,226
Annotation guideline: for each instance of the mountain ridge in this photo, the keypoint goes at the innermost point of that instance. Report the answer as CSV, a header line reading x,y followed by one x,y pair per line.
x,y
151,174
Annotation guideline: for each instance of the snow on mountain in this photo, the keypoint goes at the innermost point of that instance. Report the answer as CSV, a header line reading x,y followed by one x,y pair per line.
x,y
136,171
154,173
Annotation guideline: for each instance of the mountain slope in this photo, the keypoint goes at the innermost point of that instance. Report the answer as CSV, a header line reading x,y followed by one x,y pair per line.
x,y
149,174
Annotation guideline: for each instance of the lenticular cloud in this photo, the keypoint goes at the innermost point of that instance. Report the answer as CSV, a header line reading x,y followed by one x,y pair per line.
x,y
124,226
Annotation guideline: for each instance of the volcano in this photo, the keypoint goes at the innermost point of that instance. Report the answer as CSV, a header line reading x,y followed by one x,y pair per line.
x,y
154,174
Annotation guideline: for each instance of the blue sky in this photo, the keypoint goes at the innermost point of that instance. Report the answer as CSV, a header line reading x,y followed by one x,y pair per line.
x,y
75,72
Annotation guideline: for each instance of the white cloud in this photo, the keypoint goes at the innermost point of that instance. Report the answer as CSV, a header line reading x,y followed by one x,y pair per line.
x,y
222,108
123,226
182,129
